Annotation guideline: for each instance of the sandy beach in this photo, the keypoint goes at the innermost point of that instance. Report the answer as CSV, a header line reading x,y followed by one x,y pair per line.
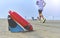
x,y
50,29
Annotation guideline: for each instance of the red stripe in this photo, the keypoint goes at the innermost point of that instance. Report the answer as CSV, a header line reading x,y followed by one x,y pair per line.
x,y
18,18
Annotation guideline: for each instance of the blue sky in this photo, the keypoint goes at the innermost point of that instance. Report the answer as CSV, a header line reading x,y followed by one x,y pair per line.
x,y
29,8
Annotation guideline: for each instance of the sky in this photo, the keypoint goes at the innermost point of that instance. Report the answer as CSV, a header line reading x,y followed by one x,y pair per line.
x,y
28,8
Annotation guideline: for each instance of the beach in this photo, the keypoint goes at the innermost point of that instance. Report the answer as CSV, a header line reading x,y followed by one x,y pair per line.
x,y
49,29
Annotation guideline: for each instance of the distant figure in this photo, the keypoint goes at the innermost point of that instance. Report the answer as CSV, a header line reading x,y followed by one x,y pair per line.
x,y
41,4
32,18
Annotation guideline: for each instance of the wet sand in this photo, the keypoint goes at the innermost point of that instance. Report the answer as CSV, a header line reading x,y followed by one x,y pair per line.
x,y
50,29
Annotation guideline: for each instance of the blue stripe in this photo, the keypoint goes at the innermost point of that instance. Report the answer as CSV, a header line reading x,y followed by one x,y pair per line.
x,y
16,29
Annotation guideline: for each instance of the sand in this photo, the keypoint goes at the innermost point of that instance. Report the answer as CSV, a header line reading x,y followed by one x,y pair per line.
x,y
50,29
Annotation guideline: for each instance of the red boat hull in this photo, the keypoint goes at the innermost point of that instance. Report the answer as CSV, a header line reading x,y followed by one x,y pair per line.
x,y
19,19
